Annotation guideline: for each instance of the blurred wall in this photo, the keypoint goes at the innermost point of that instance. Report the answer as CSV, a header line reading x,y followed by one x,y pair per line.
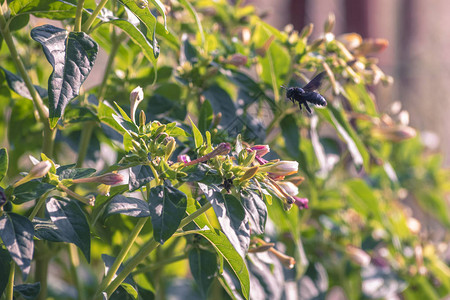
x,y
418,55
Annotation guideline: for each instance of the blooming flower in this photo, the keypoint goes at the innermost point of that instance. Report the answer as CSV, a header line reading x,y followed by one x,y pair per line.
x,y
184,158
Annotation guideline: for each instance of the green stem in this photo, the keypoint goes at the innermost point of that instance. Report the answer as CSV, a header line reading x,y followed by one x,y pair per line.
x,y
41,270
85,138
37,206
49,134
74,263
146,249
10,286
78,16
94,15
121,256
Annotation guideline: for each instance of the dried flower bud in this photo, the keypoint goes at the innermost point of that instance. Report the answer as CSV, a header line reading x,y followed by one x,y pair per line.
x,y
302,203
371,46
222,149
261,150
287,261
136,96
263,50
357,255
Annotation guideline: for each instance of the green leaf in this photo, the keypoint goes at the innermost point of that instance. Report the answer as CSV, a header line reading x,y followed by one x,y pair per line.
x,y
231,216
17,84
71,223
68,172
72,56
105,114
162,10
5,265
291,134
362,198
205,117
45,229
31,190
17,234
140,175
198,138
191,9
203,265
128,206
50,9
221,102
256,210
3,163
167,209
355,146
29,291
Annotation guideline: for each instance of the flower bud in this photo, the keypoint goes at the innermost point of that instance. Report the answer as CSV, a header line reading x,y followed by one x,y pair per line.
x,y
170,147
350,40
302,203
329,23
261,150
281,168
237,60
249,173
183,158
263,50
37,171
107,179
307,30
136,96
142,118
371,46
222,149
290,188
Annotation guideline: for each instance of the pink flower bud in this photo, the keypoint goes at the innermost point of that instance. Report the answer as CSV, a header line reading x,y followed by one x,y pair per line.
x,y
222,149
302,203
107,179
261,150
237,60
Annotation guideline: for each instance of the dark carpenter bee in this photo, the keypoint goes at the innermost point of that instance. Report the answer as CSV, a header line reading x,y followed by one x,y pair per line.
x,y
307,94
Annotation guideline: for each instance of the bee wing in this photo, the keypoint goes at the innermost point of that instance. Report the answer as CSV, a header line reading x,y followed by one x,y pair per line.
x,y
314,84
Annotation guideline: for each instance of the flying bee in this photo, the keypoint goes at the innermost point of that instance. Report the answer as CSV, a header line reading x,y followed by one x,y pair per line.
x,y
307,94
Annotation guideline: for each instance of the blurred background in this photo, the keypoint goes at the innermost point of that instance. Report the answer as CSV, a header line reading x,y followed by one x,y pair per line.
x,y
417,56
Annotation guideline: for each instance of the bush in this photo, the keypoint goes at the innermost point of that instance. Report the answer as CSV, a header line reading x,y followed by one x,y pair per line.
x,y
126,175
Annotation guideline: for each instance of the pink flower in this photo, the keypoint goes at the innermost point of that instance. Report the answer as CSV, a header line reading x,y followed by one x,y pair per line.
x,y
108,179
261,150
184,158
302,203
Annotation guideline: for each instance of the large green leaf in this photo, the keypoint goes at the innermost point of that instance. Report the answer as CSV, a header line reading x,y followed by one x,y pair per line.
x,y
31,190
50,9
232,217
17,84
205,117
203,265
72,56
129,206
167,208
221,102
198,138
256,210
17,234
5,265
140,175
71,223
